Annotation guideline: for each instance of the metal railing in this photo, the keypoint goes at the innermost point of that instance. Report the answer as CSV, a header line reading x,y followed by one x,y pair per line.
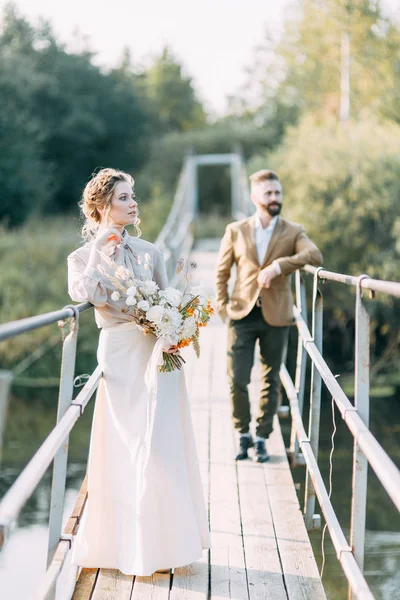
x,y
366,448
244,207
176,238
55,446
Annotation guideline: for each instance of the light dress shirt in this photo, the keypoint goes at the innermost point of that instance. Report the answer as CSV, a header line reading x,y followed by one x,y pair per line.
x,y
86,284
263,238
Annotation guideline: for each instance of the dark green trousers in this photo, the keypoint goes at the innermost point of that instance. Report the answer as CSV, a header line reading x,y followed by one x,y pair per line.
x,y
242,337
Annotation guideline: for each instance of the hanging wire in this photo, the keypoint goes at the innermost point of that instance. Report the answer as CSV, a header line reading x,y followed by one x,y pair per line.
x,y
81,380
63,329
34,356
330,481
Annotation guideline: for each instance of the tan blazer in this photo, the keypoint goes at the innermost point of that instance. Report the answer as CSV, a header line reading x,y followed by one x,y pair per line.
x,y
289,246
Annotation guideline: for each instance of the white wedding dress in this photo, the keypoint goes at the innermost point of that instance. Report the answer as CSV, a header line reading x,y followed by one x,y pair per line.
x,y
145,509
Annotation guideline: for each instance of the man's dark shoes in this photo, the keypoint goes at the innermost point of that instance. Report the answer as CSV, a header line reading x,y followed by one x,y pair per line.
x,y
261,453
245,442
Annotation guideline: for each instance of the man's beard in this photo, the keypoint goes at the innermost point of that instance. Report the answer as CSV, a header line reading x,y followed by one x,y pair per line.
x,y
274,209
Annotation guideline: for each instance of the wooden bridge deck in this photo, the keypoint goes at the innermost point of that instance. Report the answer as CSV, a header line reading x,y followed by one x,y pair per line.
x,y
260,547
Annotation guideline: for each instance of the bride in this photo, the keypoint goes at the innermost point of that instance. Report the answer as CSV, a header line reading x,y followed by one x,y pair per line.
x,y
145,509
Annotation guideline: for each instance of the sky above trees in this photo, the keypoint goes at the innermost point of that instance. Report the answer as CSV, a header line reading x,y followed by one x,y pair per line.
x,y
215,42
213,39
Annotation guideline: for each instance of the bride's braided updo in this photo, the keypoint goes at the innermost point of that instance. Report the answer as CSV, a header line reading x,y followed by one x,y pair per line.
x,y
97,196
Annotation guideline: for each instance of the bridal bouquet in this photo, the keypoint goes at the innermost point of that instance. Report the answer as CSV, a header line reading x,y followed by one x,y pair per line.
x,y
172,316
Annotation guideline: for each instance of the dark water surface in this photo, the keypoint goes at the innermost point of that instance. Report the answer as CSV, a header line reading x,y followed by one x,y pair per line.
x,y
22,562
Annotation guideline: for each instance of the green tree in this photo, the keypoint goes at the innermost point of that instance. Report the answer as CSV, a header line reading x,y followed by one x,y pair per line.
x,y
86,117
25,178
171,96
301,71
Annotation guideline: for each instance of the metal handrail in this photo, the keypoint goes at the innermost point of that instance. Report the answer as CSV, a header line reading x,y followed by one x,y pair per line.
x,y
16,497
366,448
176,232
13,328
177,205
343,550
376,285
379,460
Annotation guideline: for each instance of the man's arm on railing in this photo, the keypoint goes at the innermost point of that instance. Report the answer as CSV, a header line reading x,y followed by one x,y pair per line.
x,y
306,252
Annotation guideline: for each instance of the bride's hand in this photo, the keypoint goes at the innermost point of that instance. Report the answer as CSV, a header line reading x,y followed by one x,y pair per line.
x,y
105,241
108,235
172,350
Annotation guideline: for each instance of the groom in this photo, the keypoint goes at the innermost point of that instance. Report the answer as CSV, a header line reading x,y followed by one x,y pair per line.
x,y
265,249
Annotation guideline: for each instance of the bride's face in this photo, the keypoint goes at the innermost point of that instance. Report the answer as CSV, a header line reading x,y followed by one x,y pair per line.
x,y
124,209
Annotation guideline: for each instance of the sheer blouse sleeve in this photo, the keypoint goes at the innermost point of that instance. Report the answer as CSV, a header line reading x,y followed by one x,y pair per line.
x,y
84,283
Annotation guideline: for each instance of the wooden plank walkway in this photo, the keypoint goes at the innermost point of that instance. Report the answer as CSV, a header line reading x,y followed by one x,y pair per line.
x,y
260,547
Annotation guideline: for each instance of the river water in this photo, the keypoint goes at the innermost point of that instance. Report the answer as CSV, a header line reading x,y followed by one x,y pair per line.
x,y
23,560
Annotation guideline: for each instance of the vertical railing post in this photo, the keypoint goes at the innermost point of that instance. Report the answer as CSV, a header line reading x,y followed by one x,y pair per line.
x,y
234,196
235,183
315,402
61,458
5,383
301,364
246,200
361,397
193,185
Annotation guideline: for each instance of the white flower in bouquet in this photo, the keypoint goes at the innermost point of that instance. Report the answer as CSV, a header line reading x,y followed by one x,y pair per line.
x,y
130,301
172,296
148,287
189,328
115,296
170,325
166,329
143,305
132,290
173,317
155,313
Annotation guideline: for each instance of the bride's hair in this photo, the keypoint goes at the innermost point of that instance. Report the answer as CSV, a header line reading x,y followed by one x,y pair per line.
x,y
97,196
